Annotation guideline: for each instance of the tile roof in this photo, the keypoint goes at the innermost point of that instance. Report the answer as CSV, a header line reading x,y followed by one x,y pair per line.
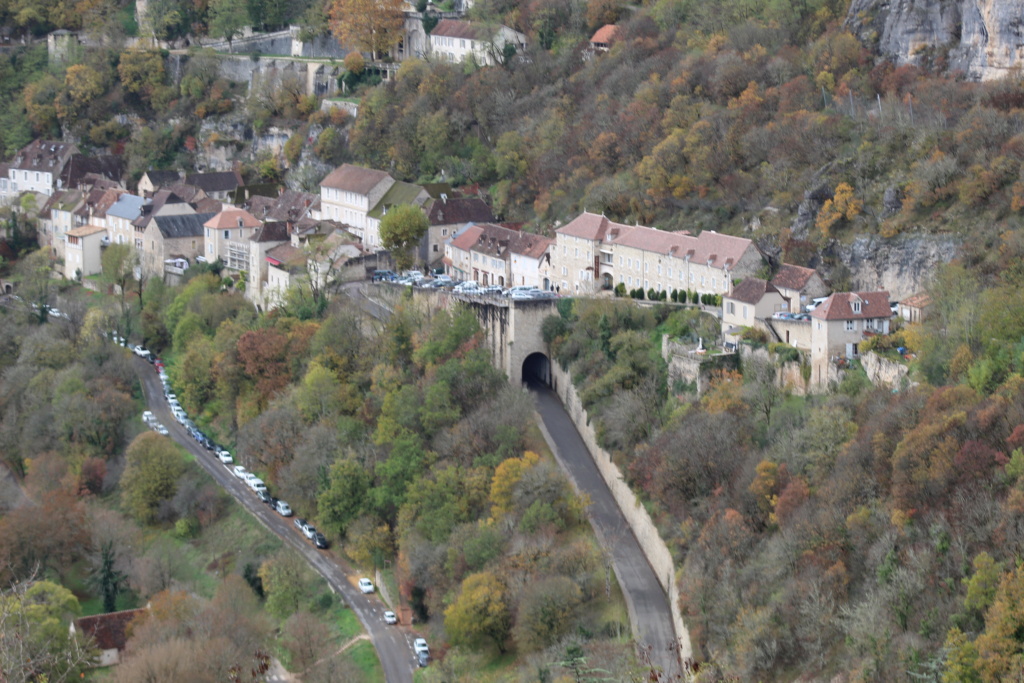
x,y
272,231
155,205
184,225
793,277
593,227
188,192
354,179
127,206
751,291
217,181
399,194
158,178
456,28
458,211
207,205
466,238
721,251
605,35
839,306
79,166
109,631
233,218
289,205
86,230
43,155
919,300
287,257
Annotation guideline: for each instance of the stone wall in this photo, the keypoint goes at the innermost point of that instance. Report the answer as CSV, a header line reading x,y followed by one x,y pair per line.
x,y
646,533
692,368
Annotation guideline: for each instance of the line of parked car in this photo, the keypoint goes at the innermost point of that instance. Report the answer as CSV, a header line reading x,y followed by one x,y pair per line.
x,y
257,485
414,278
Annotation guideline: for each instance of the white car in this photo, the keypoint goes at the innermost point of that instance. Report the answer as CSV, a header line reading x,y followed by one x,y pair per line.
x,y
224,457
239,471
147,416
283,509
248,477
365,585
390,618
160,429
256,484
420,645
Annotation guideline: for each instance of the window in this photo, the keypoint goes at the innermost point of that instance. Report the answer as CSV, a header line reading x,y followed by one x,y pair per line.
x,y
630,279
435,248
744,312
669,273
620,260
659,270
577,252
714,283
691,278
702,283
856,306
444,232
851,325
647,267
227,234
646,285
37,176
730,307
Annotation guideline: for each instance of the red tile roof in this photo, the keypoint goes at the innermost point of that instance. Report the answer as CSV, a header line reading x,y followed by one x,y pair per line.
x,y
592,226
605,35
793,277
109,631
466,239
752,290
919,300
354,178
839,306
458,211
455,28
230,217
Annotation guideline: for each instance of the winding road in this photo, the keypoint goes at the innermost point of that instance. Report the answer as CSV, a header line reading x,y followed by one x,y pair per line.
x,y
393,643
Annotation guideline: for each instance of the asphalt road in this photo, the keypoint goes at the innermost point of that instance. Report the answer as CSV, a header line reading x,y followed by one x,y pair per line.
x,y
636,578
393,643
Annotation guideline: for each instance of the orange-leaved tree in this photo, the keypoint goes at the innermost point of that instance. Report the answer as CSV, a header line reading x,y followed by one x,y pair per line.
x,y
371,25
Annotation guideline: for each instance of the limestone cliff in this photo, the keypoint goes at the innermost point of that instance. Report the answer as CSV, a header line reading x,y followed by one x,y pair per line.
x,y
903,265
983,38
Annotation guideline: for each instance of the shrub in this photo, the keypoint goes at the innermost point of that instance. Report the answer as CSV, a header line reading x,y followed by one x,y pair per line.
x,y
620,289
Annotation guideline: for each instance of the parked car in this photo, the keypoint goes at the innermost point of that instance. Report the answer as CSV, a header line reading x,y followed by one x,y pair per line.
x,y
383,275
422,659
160,429
257,486
365,585
147,416
223,456
265,496
420,645
300,523
319,540
309,530
389,617
239,471
283,509
491,290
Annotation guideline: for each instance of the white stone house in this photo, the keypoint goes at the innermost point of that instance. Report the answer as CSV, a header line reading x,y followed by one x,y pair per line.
x,y
456,40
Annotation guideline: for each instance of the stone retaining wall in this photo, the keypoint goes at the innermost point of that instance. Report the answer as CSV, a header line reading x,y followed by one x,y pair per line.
x,y
640,522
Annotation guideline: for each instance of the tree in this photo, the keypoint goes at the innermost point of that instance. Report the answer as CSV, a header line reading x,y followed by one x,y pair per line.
x,y
228,18
480,611
107,578
153,465
284,579
344,500
546,612
762,389
374,26
141,72
35,644
119,263
307,641
401,229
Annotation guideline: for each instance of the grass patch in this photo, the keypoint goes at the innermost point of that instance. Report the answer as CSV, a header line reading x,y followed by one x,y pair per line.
x,y
364,657
346,621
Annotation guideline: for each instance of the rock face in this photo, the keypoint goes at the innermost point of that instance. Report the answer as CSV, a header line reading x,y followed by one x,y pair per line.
x,y
984,38
903,265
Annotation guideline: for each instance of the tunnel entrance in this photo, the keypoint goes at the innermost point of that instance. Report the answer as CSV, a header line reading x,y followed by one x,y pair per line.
x,y
537,370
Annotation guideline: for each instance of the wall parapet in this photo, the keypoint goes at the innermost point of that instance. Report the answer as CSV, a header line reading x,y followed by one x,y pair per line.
x,y
654,547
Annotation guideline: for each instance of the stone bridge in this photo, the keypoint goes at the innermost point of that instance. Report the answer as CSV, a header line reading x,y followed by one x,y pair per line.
x,y
512,328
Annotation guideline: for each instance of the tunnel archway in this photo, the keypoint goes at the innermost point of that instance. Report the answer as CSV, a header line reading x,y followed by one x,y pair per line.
x,y
537,370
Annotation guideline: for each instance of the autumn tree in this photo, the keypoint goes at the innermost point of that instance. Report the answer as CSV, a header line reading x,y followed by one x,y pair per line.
x,y
35,644
285,580
401,229
373,26
481,611
153,465
119,263
545,612
843,205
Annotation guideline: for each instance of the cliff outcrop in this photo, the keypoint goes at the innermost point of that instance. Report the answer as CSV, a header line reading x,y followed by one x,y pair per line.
x,y
983,38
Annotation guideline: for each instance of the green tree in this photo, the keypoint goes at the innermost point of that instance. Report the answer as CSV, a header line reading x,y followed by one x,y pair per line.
x,y
344,499
546,612
119,263
319,396
35,644
401,229
481,611
982,585
107,578
228,18
153,465
285,580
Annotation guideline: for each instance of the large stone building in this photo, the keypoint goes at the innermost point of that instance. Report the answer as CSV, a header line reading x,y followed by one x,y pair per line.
x,y
227,237
495,255
457,41
348,193
750,304
37,167
593,253
840,325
